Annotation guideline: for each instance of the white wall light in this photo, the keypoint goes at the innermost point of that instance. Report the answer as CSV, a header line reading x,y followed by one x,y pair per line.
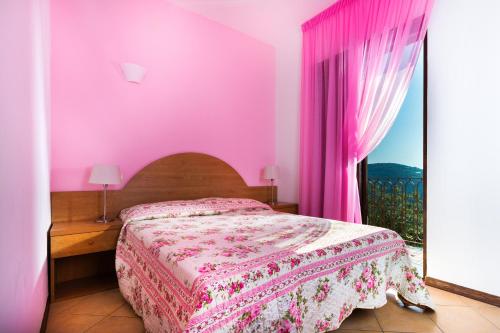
x,y
133,72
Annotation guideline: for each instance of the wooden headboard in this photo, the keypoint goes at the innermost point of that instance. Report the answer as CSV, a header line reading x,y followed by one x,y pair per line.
x,y
177,177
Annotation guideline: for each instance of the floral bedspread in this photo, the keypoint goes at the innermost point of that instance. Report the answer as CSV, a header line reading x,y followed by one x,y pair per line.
x,y
256,270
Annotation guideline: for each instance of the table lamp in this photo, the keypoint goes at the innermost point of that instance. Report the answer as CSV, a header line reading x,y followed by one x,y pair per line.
x,y
105,175
271,173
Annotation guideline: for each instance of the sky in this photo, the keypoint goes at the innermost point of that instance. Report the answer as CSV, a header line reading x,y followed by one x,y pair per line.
x,y
404,142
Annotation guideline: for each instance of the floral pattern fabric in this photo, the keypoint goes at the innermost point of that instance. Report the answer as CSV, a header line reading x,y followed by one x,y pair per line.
x,y
185,208
256,270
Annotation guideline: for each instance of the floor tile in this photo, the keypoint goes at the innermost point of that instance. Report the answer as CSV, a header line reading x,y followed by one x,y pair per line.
x,y
125,311
462,319
473,303
66,322
361,320
103,303
441,297
492,313
108,312
394,317
118,325
63,306
353,331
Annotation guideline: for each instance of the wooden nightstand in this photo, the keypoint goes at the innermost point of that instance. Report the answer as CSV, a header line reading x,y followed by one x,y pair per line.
x,y
286,207
82,257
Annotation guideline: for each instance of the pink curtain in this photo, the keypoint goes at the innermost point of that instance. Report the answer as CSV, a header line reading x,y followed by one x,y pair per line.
x,y
358,59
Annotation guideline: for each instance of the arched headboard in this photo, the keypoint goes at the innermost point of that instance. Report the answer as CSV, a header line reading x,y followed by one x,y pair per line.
x,y
175,177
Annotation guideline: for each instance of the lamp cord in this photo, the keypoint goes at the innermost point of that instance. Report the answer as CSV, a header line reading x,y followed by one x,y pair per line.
x,y
105,190
272,192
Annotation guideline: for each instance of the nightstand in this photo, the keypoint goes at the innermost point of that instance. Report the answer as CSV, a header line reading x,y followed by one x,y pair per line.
x,y
82,257
286,207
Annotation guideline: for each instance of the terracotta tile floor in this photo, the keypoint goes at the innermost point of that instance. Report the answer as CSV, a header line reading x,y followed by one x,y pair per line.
x,y
107,312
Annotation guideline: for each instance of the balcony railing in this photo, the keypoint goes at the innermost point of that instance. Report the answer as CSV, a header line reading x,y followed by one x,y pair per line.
x,y
397,204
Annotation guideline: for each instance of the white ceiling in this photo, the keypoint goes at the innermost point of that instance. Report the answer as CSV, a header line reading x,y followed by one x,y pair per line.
x,y
267,20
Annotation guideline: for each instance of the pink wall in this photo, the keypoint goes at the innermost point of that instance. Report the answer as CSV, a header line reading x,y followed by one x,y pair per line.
x,y
24,168
208,89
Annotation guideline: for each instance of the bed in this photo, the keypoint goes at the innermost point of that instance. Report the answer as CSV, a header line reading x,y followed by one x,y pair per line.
x,y
234,265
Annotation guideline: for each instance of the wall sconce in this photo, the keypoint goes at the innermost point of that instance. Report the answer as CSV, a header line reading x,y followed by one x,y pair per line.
x,y
133,72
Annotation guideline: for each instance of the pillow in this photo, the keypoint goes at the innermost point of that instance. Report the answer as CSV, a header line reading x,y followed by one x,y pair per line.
x,y
186,208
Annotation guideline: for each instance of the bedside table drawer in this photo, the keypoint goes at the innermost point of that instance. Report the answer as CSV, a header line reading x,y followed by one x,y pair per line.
x,y
90,242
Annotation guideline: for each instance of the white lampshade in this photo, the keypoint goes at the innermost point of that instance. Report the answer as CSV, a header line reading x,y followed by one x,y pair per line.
x,y
105,174
133,72
271,172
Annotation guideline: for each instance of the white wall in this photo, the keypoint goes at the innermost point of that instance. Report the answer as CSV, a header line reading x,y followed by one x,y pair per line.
x,y
24,168
288,78
464,144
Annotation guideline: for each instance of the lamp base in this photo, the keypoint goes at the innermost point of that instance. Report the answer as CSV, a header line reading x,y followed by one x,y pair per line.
x,y
104,219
